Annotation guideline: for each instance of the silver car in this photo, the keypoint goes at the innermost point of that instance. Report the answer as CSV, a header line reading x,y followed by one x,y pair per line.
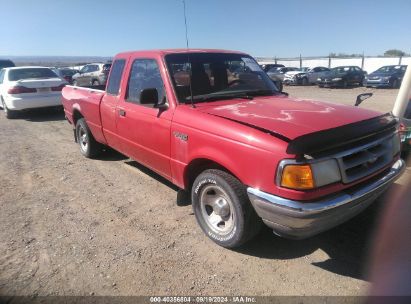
x,y
93,74
305,77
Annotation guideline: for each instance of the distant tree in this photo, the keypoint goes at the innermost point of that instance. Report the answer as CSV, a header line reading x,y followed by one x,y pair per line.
x,y
394,53
335,55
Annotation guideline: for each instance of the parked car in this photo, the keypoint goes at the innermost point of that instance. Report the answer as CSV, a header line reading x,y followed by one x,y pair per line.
x,y
29,87
93,74
278,73
342,76
247,153
5,63
65,73
269,66
386,76
305,76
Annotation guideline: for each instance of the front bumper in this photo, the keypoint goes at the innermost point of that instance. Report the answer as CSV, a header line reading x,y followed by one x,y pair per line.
x,y
331,83
299,220
377,83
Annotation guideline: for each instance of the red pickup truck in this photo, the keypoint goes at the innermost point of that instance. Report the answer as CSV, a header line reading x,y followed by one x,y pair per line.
x,y
215,125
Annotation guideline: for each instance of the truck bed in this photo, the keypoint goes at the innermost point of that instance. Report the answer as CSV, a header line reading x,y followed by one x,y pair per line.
x,y
87,102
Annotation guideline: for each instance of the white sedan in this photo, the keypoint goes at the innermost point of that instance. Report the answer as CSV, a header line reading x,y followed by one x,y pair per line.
x,y
29,87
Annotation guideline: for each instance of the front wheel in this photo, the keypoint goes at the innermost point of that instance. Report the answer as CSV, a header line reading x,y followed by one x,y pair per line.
x,y
394,84
223,210
89,147
304,81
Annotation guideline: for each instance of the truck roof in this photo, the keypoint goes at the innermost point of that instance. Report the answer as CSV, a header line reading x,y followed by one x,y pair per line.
x,y
176,51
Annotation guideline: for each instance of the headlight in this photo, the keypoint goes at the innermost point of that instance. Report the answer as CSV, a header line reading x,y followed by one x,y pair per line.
x,y
309,176
318,79
337,79
385,78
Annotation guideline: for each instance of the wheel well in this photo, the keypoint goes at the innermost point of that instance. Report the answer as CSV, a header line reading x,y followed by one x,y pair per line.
x,y
195,167
76,116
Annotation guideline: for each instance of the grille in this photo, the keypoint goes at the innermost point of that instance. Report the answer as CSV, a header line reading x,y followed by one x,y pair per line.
x,y
366,160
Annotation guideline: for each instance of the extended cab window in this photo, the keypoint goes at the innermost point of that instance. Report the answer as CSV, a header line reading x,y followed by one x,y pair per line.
x,y
115,77
144,74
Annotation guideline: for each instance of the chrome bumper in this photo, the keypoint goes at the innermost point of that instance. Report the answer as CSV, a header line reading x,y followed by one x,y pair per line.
x,y
298,220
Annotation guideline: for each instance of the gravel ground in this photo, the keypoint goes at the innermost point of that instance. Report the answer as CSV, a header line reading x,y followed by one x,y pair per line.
x,y
74,226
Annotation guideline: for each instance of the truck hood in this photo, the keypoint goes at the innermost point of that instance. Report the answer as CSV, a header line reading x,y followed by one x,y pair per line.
x,y
285,117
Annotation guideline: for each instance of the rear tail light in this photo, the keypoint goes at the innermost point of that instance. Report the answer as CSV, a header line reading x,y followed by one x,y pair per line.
x,y
59,88
21,90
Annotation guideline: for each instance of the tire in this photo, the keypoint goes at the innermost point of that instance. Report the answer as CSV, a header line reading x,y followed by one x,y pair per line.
x,y
89,147
320,86
10,114
279,85
223,210
362,83
95,83
304,81
394,83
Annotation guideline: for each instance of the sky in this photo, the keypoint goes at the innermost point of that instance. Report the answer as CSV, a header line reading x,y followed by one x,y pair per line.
x,y
262,28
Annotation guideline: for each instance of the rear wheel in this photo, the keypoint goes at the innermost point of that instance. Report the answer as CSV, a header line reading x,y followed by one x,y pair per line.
x,y
223,210
89,147
10,114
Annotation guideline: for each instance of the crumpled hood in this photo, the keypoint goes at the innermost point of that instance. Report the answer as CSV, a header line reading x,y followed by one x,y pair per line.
x,y
291,73
287,117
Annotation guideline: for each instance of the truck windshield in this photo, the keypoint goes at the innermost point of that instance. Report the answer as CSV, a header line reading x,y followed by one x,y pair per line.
x,y
217,76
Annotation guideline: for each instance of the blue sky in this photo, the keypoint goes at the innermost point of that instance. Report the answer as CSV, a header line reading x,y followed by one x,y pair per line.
x,y
261,28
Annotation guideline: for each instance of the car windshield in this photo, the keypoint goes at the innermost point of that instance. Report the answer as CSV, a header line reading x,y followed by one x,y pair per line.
x,y
340,69
217,76
67,72
389,69
31,73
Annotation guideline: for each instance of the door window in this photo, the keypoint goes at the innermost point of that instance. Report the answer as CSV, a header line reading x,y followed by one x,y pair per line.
x,y
115,77
85,69
144,74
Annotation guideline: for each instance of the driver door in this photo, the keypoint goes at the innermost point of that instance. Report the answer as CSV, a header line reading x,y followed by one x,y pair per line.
x,y
143,130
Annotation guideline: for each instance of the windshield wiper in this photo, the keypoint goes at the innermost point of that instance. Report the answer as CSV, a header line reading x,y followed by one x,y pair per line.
x,y
213,97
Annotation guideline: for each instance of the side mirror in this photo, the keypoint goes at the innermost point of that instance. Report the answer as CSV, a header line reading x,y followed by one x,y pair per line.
x,y
150,96
361,98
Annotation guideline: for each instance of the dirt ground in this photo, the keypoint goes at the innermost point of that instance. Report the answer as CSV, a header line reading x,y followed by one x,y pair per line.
x,y
74,226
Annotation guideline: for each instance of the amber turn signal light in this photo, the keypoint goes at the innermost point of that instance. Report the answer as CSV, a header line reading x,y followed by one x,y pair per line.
x,y
298,177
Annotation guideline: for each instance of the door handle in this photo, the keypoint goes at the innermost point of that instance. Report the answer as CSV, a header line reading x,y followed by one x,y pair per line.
x,y
121,112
